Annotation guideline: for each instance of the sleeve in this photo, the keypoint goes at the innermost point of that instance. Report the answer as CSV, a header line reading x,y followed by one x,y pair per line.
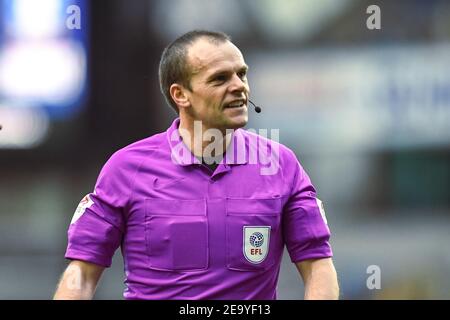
x,y
306,233
97,226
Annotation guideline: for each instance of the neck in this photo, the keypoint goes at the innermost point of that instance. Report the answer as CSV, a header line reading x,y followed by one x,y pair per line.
x,y
204,141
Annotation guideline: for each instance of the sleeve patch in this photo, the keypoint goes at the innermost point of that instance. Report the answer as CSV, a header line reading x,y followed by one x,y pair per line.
x,y
85,203
322,210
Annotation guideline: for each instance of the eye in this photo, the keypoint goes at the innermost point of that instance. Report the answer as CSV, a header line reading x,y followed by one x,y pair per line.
x,y
242,74
220,78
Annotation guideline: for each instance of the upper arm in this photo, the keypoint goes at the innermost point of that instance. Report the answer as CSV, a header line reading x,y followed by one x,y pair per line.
x,y
309,267
305,230
86,271
320,279
79,281
98,228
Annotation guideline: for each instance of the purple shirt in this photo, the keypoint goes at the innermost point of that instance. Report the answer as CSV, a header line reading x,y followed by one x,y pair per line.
x,y
188,233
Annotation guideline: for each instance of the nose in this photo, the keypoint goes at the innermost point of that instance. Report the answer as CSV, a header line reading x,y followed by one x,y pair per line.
x,y
238,85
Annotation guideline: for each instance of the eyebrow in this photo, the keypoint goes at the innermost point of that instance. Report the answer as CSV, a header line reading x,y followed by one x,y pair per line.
x,y
224,72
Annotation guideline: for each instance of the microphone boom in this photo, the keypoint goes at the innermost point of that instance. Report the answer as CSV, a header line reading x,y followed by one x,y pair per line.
x,y
257,109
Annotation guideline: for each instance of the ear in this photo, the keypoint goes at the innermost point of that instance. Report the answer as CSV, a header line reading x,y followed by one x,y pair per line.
x,y
179,95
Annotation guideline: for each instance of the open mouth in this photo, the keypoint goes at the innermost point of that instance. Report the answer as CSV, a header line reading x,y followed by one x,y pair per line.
x,y
235,104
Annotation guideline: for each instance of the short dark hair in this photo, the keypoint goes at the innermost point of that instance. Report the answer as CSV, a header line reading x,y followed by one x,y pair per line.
x,y
174,67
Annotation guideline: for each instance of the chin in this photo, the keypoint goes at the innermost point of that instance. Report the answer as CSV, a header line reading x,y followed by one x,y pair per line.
x,y
237,123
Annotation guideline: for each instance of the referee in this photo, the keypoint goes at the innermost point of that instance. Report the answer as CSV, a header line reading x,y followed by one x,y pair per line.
x,y
194,223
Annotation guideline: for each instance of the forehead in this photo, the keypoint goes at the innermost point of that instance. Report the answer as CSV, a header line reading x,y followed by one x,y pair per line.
x,y
206,57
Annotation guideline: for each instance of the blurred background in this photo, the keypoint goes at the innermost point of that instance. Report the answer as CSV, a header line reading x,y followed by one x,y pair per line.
x,y
366,111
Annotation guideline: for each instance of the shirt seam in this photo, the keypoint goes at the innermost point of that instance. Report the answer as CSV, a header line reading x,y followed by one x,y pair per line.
x,y
314,252
106,260
134,178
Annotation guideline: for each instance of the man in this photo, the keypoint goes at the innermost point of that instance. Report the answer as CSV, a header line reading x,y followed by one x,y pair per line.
x,y
192,228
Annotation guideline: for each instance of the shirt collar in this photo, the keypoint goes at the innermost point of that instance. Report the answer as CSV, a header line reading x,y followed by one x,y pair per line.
x,y
181,154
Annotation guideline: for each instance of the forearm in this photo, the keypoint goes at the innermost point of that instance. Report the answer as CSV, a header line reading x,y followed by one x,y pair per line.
x,y
63,293
66,291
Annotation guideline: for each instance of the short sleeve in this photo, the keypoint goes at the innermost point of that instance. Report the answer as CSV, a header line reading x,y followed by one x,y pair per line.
x,y
306,233
97,226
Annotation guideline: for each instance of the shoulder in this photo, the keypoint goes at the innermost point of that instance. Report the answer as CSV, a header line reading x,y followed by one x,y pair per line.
x,y
255,141
129,158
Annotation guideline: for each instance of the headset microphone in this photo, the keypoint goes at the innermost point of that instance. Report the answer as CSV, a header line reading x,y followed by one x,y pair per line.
x,y
257,109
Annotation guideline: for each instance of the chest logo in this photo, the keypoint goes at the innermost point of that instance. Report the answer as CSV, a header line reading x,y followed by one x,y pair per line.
x,y
256,243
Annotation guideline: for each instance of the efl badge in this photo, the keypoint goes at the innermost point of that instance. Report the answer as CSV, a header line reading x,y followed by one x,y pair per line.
x,y
85,203
256,243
